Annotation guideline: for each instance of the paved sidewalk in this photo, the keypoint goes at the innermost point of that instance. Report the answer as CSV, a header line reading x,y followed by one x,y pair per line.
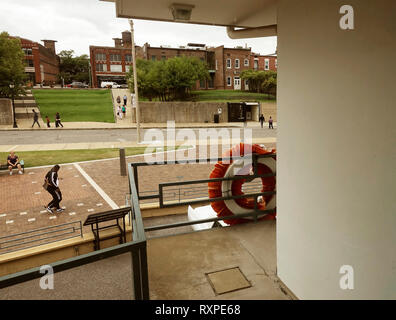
x,y
124,124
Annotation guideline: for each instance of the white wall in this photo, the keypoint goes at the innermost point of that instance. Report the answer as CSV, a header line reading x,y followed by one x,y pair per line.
x,y
336,148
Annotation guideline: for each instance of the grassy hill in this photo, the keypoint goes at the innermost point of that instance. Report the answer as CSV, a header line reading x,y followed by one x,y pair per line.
x,y
75,105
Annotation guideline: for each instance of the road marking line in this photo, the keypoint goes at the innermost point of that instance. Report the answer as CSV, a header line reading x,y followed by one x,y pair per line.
x,y
52,217
23,213
80,204
2,215
31,173
9,221
98,189
76,176
90,210
34,181
32,219
72,213
83,185
43,211
99,204
38,192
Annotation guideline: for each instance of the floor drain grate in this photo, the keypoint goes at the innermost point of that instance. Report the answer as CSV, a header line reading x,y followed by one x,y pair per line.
x,y
228,280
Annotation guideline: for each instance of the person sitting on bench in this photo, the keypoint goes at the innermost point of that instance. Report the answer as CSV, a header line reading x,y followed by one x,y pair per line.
x,y
13,162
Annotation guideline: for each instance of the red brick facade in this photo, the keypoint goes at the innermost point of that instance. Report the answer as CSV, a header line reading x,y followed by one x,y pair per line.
x,y
225,64
42,63
264,62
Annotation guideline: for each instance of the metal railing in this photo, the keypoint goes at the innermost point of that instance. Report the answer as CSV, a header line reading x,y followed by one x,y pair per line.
x,y
37,237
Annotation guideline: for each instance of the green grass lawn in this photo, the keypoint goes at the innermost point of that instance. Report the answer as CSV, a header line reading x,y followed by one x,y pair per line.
x,y
42,158
231,96
75,105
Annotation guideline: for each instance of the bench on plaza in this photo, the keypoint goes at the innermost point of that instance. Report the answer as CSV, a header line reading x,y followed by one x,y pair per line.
x,y
5,166
113,215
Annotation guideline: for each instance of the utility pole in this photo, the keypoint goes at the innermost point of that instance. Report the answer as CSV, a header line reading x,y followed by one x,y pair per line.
x,y
135,81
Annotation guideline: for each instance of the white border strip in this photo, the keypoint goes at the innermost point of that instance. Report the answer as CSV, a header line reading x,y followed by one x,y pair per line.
x,y
98,189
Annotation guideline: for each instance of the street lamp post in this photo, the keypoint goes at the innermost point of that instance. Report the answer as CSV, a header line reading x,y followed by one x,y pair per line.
x,y
12,86
135,81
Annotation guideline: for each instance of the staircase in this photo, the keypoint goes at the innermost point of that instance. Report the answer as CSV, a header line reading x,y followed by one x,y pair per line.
x,y
23,110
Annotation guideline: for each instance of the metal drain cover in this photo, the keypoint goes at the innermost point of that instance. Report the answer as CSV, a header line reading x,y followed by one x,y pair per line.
x,y
228,280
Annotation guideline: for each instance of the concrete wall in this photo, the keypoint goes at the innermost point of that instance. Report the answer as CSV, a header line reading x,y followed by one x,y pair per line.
x,y
5,112
161,112
336,149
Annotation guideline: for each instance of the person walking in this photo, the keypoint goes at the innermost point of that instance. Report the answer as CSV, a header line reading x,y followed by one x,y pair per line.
x,y
124,110
262,119
35,118
48,121
125,99
58,120
118,100
270,123
51,184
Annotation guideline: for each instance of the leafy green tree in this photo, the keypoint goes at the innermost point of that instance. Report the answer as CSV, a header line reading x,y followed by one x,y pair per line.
x,y
73,68
12,67
168,80
261,81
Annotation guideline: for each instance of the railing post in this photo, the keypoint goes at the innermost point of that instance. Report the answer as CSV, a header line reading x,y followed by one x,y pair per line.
x,y
136,274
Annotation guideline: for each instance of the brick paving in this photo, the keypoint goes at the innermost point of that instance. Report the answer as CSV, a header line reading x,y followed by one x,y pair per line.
x,y
22,198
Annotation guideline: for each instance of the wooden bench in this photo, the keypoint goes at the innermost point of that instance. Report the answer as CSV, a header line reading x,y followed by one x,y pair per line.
x,y
5,166
113,215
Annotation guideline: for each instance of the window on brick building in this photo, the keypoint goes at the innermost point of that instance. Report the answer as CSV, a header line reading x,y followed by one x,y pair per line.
x,y
255,64
228,63
27,51
29,63
236,63
101,67
266,64
153,58
163,58
127,68
128,58
116,68
100,57
216,66
246,62
229,81
115,57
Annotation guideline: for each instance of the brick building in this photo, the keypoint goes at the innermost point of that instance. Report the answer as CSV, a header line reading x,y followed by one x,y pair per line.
x,y
42,63
225,65
264,62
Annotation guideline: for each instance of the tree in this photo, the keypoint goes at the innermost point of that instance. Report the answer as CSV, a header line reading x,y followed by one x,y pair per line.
x,y
12,68
73,68
168,80
261,81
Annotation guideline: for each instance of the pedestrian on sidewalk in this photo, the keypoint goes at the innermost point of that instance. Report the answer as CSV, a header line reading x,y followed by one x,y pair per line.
x,y
119,112
118,100
125,100
58,120
262,120
35,118
48,121
270,121
124,111
51,184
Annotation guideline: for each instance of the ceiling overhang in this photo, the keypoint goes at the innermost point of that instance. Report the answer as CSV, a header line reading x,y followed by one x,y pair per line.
x,y
228,13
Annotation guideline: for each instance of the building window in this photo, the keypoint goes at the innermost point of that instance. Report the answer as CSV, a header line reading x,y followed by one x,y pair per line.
x,y
236,63
276,63
115,57
266,64
100,57
228,63
153,58
246,84
255,64
29,63
229,81
246,62
101,67
202,83
27,51
128,58
127,68
216,66
116,68
163,58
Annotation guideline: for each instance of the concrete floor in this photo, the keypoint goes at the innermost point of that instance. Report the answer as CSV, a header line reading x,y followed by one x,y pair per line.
x,y
178,267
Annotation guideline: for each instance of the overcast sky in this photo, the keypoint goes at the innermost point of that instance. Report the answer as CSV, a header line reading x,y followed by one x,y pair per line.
x,y
77,24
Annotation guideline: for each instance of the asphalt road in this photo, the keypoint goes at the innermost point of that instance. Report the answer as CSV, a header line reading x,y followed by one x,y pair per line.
x,y
108,135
